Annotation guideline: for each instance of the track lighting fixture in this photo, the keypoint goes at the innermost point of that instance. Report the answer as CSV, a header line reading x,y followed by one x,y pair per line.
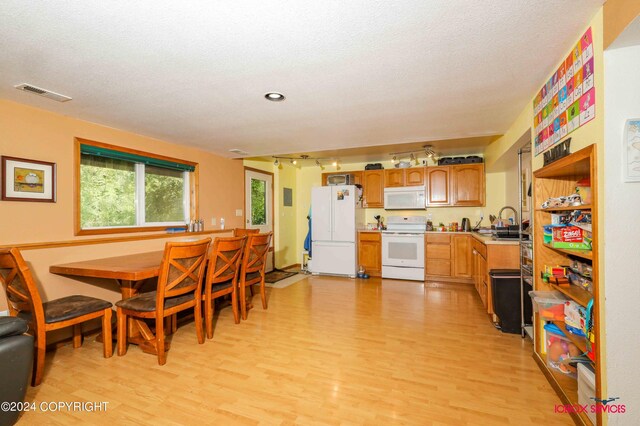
x,y
413,155
299,160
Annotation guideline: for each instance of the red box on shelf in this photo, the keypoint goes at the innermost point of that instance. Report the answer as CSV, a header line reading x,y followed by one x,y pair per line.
x,y
568,234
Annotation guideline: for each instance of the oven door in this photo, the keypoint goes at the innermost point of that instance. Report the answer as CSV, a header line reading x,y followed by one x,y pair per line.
x,y
404,250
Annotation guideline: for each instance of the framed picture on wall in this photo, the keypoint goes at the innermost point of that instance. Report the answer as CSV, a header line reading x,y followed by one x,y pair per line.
x,y
631,151
28,180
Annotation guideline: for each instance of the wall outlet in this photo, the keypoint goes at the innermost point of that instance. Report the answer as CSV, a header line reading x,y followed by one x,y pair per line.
x,y
430,217
238,212
213,221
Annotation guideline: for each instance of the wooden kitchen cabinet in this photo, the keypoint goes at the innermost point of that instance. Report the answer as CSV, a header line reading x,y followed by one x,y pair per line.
x,y
412,176
462,266
456,185
486,257
370,252
357,175
467,185
437,252
393,178
437,179
373,188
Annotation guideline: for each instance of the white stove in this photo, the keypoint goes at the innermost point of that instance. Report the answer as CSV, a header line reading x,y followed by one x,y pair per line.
x,y
403,248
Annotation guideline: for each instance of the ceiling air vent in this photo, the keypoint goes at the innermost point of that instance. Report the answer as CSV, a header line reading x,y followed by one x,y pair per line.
x,y
239,151
42,92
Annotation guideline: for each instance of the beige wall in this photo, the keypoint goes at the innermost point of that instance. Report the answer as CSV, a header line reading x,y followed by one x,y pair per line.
x,y
33,133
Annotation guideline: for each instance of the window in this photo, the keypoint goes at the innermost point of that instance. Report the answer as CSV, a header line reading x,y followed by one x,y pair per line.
x,y
128,189
258,202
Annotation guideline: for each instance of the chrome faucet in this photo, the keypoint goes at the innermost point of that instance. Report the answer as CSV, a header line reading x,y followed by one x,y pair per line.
x,y
515,213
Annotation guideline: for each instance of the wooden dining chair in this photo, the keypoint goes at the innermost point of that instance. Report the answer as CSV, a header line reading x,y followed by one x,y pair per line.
x,y
254,261
244,232
222,277
179,281
24,301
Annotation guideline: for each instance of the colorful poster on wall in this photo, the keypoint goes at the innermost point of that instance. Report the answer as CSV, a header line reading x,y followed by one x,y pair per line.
x,y
568,100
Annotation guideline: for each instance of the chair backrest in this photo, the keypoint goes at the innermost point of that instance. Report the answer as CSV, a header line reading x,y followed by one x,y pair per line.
x,y
19,286
243,232
255,253
225,259
182,269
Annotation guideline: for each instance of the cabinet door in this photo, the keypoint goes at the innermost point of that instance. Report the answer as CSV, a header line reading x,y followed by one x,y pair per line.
x,y
370,253
461,254
467,185
393,177
482,281
438,186
414,176
373,188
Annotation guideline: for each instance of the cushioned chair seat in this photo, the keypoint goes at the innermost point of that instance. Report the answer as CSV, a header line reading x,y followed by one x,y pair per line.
x,y
253,276
69,307
221,286
146,302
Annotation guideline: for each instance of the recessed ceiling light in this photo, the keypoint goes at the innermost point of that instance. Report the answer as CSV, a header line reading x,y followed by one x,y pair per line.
x,y
274,96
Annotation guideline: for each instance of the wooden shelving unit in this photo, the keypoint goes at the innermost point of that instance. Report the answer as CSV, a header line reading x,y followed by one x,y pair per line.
x,y
555,180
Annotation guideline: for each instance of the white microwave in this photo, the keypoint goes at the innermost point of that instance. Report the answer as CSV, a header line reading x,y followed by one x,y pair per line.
x,y
405,198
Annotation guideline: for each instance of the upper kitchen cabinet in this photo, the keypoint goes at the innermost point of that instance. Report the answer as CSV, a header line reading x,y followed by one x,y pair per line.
x,y
373,188
438,186
412,176
456,185
467,185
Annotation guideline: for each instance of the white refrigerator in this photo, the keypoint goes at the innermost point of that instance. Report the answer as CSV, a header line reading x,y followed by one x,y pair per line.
x,y
336,215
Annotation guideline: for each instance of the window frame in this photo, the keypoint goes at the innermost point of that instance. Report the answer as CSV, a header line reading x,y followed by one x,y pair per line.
x,y
192,190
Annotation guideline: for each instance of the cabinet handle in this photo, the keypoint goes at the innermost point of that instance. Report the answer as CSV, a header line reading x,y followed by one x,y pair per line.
x,y
475,252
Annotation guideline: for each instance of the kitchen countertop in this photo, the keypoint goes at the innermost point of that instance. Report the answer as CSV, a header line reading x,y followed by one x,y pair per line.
x,y
483,238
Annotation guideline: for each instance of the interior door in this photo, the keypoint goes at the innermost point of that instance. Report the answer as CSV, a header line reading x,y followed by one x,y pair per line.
x,y
258,196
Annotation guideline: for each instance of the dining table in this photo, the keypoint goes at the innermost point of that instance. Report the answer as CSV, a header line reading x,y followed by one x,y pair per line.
x,y
130,272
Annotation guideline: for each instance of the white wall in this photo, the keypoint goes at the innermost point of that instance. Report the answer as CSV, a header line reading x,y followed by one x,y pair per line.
x,y
621,236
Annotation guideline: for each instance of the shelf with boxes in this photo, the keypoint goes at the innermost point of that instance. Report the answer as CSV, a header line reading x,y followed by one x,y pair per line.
x,y
567,292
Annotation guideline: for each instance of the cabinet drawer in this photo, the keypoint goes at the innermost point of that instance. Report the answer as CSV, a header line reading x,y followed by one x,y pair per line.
x,y
370,236
480,248
438,251
439,238
438,267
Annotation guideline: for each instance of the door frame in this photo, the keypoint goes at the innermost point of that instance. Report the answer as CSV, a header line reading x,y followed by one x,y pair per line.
x,y
273,214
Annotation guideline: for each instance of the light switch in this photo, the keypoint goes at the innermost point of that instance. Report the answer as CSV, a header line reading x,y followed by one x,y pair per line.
x,y
213,220
239,212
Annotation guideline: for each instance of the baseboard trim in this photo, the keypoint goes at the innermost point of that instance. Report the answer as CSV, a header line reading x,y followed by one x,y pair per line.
x,y
295,265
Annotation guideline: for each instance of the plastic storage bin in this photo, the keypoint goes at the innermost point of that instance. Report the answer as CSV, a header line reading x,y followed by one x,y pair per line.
x,y
549,304
560,348
587,388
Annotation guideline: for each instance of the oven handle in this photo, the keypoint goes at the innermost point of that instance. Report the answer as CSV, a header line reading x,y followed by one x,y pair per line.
x,y
393,234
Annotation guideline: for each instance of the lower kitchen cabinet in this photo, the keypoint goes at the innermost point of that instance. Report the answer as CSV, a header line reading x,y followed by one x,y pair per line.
x,y
370,252
448,257
461,266
486,257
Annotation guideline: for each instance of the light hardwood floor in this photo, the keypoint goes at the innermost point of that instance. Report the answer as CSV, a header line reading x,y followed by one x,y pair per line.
x,y
327,351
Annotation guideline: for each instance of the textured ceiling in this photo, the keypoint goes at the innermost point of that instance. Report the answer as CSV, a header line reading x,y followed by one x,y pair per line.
x,y
355,73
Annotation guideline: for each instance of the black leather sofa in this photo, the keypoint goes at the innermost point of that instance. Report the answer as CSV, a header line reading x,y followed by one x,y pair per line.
x,y
16,360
